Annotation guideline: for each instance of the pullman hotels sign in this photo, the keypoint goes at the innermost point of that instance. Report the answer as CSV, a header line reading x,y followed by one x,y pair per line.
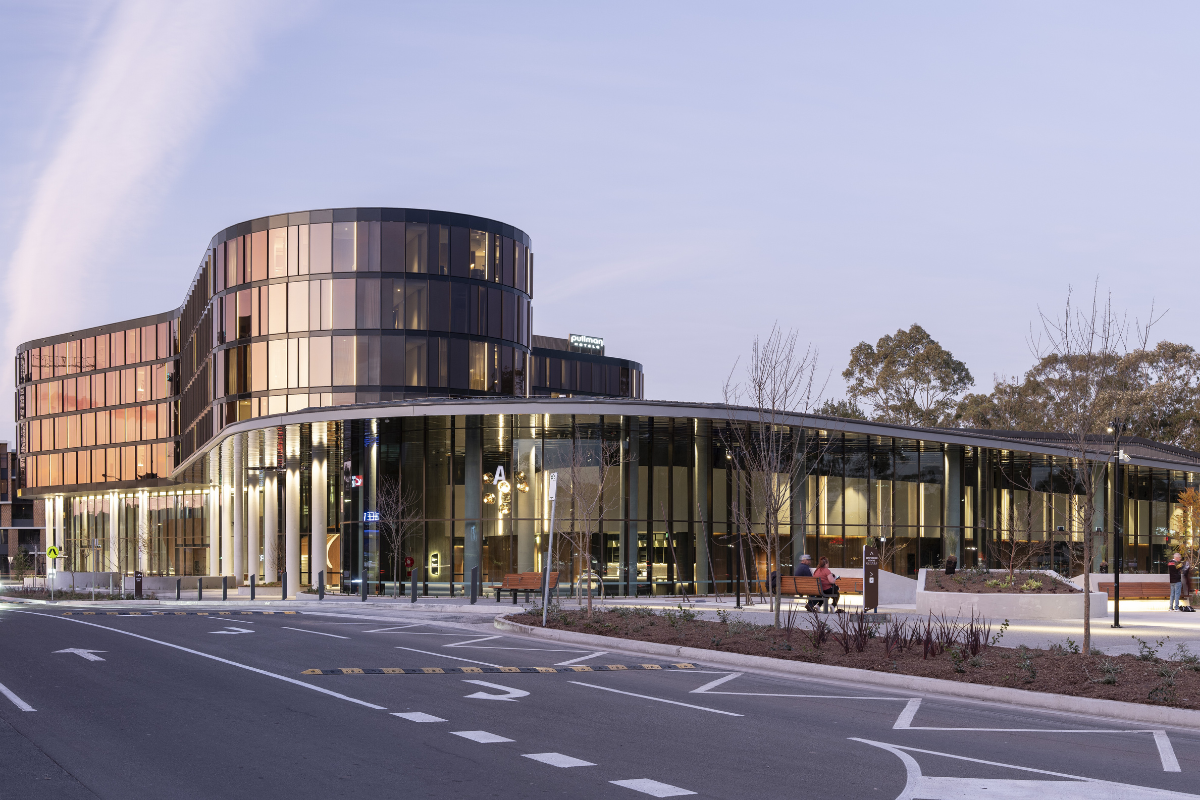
x,y
586,344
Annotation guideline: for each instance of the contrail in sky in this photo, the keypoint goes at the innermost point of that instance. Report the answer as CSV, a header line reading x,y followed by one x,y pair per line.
x,y
152,82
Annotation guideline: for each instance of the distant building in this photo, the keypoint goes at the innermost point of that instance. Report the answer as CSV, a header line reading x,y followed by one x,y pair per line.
x,y
22,520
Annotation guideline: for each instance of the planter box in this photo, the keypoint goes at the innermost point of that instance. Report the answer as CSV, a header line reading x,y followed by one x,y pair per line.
x,y
999,606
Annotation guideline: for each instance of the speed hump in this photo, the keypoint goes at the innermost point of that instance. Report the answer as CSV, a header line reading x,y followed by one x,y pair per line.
x,y
53,552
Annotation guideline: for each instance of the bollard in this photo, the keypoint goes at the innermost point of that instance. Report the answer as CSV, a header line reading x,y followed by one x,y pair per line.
x,y
199,587
362,587
252,577
179,588
413,580
474,584
283,585
224,587
321,585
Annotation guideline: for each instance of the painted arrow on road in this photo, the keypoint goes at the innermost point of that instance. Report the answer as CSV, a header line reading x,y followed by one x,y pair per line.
x,y
88,654
232,631
510,695
919,786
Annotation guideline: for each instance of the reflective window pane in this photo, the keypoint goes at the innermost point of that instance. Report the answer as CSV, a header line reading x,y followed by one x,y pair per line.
x,y
344,246
416,248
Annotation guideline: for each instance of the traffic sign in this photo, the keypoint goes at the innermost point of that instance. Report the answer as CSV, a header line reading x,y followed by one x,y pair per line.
x,y
53,552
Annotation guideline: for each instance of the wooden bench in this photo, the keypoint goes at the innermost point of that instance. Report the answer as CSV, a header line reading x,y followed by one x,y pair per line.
x,y
1138,590
524,582
804,587
849,585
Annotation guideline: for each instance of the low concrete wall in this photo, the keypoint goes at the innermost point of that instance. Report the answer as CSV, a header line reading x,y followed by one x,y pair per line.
x,y
165,585
894,590
1008,606
84,581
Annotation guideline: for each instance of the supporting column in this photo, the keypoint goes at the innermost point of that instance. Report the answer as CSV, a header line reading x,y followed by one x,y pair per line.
x,y
699,513
226,526
318,559
253,522
143,528
629,479
213,510
238,563
291,526
953,536
270,526
526,507
114,518
473,495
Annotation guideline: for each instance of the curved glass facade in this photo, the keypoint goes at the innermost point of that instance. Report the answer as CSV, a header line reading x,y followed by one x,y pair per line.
x,y
328,360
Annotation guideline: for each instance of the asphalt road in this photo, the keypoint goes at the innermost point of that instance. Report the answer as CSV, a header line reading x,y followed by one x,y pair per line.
x,y
220,706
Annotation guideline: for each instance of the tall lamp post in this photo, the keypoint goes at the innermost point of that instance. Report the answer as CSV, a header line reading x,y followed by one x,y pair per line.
x,y
1116,428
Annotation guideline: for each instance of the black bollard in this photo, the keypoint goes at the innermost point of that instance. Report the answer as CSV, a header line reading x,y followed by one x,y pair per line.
x,y
321,585
283,585
179,588
252,577
413,580
199,587
224,587
474,584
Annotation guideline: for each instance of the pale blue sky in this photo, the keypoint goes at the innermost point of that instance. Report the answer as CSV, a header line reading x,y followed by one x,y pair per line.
x,y
688,172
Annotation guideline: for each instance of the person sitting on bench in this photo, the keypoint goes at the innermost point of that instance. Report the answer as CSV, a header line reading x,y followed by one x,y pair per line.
x,y
804,570
827,580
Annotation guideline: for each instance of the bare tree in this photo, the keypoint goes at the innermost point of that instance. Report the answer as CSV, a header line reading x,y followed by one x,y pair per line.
x,y
1086,384
399,517
1014,545
587,481
772,457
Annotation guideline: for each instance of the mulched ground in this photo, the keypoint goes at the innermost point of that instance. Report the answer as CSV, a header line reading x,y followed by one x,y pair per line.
x,y
1162,675
977,583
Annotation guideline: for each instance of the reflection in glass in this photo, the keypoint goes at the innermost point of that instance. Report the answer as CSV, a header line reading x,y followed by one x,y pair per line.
x,y
416,304
478,255
416,248
344,246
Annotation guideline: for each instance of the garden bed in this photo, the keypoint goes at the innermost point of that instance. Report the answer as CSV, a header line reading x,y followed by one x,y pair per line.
x,y
968,652
997,582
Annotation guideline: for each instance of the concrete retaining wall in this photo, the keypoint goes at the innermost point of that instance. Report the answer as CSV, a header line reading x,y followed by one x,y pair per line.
x,y
1008,606
894,590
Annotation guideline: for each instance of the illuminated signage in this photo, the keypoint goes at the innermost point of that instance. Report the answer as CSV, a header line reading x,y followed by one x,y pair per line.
x,y
586,344
370,516
355,481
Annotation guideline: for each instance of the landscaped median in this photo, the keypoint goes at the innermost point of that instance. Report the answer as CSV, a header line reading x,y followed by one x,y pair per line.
x,y
963,658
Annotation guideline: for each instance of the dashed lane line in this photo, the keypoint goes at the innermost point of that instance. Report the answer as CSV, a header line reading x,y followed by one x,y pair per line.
x,y
558,760
492,669
482,737
652,788
417,716
218,659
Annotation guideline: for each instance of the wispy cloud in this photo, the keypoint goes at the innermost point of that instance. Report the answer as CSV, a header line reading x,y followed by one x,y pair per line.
x,y
152,81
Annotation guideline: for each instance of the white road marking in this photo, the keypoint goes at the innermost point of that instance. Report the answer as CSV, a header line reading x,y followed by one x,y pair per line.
x,y
1075,787
417,716
443,655
18,702
512,694
471,641
378,630
86,654
708,689
657,699
652,788
318,633
581,658
1166,752
559,760
246,667
483,737
232,631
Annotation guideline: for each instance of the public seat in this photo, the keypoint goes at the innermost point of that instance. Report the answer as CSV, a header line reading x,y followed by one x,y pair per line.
x,y
850,585
524,582
801,586
1138,590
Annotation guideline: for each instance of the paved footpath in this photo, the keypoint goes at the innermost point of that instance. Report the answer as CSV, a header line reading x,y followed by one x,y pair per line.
x,y
381,701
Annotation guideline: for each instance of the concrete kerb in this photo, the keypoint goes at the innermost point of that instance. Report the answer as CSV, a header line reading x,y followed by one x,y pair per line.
x,y
1042,701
